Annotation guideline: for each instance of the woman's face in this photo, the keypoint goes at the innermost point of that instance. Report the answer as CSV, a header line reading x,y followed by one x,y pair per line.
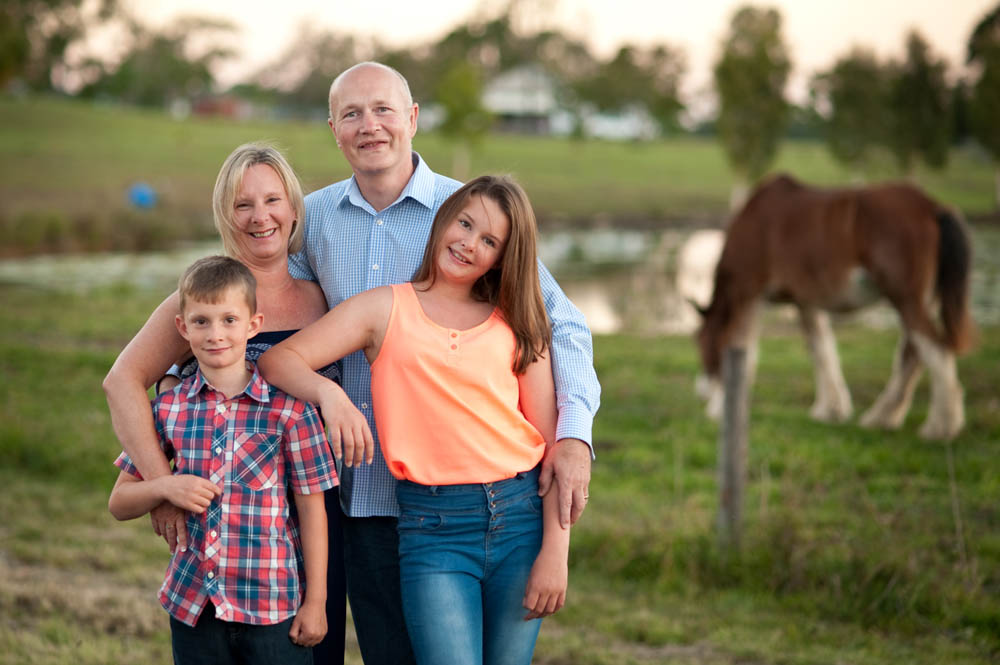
x,y
263,215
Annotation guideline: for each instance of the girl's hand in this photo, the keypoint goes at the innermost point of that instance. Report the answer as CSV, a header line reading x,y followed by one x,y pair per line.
x,y
188,492
546,590
350,436
309,625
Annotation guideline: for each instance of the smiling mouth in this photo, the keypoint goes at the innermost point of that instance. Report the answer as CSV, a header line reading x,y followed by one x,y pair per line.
x,y
459,257
263,234
371,145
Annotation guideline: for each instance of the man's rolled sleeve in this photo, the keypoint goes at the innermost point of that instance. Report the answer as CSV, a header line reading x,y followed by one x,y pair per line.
x,y
307,454
578,392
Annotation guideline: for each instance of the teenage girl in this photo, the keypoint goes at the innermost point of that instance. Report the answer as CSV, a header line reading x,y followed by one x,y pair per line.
x,y
465,405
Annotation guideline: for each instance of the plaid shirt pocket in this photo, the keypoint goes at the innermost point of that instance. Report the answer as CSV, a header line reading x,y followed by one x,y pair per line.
x,y
255,460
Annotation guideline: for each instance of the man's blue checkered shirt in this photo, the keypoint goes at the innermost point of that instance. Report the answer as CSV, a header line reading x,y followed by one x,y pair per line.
x,y
349,248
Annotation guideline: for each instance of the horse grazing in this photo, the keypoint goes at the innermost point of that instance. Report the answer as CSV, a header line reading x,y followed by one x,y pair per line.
x,y
833,250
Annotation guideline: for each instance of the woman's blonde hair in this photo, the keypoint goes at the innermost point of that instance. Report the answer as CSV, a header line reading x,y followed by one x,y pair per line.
x,y
512,285
230,179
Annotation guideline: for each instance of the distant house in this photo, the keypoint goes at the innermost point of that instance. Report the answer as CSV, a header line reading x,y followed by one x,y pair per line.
x,y
524,100
633,123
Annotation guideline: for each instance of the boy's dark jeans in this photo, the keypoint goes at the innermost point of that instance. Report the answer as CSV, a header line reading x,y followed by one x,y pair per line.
x,y
215,642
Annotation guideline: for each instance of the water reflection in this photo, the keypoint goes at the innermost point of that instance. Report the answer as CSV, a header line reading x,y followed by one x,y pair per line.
x,y
623,280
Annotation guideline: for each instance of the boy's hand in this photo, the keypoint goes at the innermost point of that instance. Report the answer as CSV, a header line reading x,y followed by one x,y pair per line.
x,y
309,625
350,436
545,593
170,522
189,492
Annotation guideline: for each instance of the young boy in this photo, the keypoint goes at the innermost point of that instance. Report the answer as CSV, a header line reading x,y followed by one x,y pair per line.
x,y
237,445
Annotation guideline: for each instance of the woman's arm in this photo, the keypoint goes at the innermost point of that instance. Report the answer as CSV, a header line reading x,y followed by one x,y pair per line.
x,y
150,353
355,324
309,625
546,589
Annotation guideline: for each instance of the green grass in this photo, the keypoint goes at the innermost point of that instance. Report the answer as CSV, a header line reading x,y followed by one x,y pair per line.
x,y
65,166
850,548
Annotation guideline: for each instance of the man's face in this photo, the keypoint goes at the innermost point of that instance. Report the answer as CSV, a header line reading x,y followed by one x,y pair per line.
x,y
372,121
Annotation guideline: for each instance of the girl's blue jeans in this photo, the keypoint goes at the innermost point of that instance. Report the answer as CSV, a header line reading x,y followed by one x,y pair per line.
x,y
465,553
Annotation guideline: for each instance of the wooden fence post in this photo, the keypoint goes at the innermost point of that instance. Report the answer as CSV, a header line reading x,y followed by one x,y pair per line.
x,y
732,471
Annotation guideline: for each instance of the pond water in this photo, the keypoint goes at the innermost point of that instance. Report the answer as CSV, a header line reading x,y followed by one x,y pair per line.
x,y
622,280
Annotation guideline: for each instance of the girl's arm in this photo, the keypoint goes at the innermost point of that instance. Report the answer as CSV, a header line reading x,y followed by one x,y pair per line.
x,y
309,626
150,353
549,578
355,324
132,497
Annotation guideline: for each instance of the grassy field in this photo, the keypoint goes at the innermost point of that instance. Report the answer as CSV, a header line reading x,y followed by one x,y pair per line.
x,y
65,167
859,547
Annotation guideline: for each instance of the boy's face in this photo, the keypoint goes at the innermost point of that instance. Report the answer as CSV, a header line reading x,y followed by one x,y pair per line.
x,y
218,332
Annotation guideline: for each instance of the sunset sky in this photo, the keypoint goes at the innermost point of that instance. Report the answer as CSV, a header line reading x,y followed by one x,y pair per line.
x,y
817,31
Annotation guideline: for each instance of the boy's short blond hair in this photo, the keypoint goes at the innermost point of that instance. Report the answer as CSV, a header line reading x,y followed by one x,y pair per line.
x,y
208,279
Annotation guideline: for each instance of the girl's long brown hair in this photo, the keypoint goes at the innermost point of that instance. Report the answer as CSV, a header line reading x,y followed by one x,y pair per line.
x,y
512,286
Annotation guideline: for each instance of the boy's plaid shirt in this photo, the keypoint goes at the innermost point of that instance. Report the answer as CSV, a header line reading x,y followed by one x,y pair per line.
x,y
255,446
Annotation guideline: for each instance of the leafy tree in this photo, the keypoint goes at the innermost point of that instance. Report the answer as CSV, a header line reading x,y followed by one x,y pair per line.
x,y
918,101
634,76
984,54
159,67
855,94
750,78
35,34
466,120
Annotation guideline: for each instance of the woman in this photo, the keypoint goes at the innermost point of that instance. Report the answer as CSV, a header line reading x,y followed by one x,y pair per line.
x,y
465,406
257,204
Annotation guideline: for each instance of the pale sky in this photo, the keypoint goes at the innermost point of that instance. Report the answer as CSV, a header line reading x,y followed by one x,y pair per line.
x,y
817,31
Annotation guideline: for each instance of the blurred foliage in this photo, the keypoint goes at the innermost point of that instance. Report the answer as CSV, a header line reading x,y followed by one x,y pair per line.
x,y
35,35
918,102
854,92
750,77
984,54
162,66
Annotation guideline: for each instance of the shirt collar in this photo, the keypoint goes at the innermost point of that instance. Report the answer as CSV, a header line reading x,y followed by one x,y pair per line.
x,y
256,389
420,188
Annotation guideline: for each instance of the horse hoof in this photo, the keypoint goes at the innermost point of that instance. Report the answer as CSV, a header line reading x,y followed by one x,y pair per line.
x,y
937,431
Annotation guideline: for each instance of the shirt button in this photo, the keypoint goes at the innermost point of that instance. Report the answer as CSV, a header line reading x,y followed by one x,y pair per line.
x,y
454,334
213,534
375,267
218,450
210,575
364,405
454,346
220,408
379,222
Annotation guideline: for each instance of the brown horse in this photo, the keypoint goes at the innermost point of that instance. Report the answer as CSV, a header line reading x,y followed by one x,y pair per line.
x,y
836,250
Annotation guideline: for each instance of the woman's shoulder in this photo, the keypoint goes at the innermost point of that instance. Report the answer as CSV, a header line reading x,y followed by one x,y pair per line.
x,y
311,296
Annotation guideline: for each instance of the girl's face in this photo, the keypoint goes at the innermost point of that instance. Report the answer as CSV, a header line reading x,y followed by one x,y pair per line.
x,y
263,214
473,242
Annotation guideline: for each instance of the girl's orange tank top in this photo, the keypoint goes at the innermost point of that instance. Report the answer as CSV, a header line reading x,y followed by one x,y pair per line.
x,y
446,401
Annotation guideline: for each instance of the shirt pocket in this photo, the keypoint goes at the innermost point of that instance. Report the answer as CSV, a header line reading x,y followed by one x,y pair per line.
x,y
255,460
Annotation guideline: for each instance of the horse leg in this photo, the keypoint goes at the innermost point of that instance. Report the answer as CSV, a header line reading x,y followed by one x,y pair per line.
x,y
892,405
946,415
833,399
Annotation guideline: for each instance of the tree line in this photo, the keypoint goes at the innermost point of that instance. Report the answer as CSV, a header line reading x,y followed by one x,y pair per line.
x,y
866,109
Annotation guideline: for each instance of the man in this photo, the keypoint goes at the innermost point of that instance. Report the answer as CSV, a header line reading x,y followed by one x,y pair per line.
x,y
368,231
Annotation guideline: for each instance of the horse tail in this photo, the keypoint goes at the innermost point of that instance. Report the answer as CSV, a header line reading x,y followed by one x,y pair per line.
x,y
953,273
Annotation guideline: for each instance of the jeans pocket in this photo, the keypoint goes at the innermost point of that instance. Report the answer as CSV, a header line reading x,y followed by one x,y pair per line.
x,y
424,520
255,460
532,503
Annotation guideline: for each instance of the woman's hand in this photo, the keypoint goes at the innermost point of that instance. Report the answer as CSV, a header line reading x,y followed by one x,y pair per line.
x,y
350,436
545,593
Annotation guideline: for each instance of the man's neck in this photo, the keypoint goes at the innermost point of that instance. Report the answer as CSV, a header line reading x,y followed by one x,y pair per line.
x,y
231,380
382,189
